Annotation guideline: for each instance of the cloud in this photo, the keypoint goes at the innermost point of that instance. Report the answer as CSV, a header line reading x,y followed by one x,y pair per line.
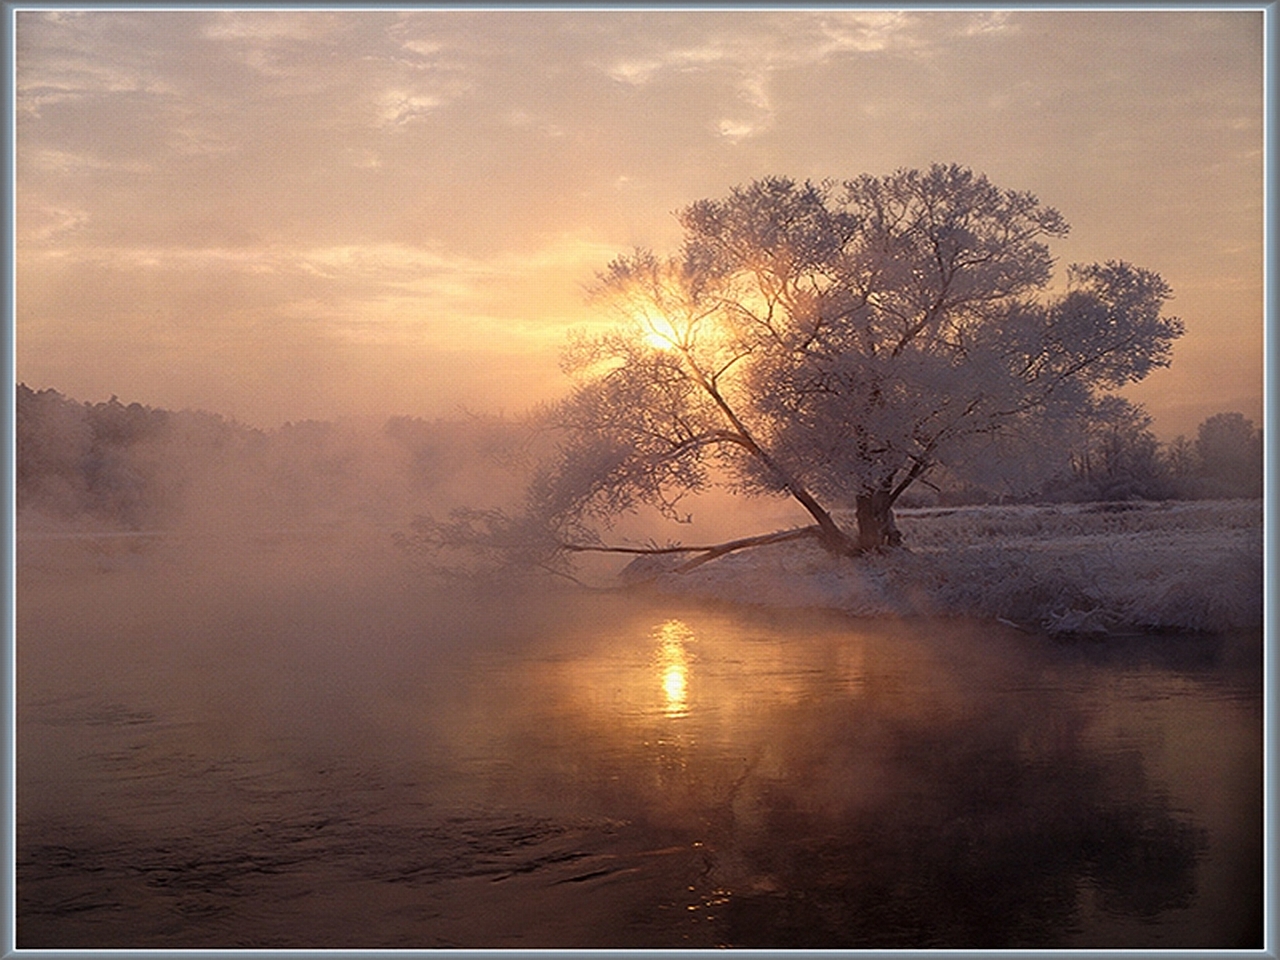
x,y
267,26
421,173
65,162
196,138
634,72
427,49
397,107
861,32
44,224
343,285
736,129
276,44
750,51
754,46
65,57
993,22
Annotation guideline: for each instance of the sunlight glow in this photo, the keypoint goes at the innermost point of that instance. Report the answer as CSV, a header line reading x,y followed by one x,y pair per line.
x,y
656,340
674,684
673,666
661,334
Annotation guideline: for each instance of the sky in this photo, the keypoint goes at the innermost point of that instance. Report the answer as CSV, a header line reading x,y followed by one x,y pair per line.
x,y
283,215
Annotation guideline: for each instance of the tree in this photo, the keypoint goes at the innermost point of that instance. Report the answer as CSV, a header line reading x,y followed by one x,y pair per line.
x,y
1230,455
834,343
1115,456
1183,463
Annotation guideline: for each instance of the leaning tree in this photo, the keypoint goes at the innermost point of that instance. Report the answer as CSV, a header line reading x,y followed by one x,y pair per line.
x,y
829,342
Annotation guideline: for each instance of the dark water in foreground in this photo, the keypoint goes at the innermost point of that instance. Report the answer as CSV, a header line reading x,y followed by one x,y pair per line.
x,y
225,763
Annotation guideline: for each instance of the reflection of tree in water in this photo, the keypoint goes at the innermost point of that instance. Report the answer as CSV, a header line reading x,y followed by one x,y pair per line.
x,y
926,800
975,839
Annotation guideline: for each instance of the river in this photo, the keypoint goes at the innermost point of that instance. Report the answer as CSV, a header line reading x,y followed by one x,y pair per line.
x,y
342,759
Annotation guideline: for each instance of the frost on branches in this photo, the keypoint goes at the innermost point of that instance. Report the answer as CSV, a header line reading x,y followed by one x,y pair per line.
x,y
830,342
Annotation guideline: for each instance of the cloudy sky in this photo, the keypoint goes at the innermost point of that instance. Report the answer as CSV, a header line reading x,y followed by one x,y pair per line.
x,y
293,214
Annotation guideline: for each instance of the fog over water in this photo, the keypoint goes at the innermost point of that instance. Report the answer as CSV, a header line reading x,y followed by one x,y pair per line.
x,y
295,739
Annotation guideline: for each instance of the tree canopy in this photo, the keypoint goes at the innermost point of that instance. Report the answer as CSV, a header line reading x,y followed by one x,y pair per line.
x,y
836,342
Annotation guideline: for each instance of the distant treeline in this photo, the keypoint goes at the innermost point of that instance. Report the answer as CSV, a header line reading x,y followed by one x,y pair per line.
x,y
1111,454
137,467
1120,459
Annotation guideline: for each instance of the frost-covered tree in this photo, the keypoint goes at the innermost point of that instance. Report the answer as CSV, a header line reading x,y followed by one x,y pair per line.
x,y
1229,450
1183,462
834,343
1115,456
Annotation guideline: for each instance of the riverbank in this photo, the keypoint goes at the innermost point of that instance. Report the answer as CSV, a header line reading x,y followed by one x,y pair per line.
x,y
1069,568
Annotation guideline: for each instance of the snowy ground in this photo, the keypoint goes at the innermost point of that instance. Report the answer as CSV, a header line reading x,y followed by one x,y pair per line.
x,y
1083,568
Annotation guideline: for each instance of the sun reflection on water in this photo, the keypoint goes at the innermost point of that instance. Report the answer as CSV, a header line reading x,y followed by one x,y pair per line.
x,y
673,684
673,666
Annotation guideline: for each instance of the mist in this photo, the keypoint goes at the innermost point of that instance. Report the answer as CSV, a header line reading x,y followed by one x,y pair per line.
x,y
110,484
309,748
332,261
249,719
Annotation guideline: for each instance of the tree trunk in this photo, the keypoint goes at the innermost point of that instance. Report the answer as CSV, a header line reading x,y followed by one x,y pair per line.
x,y
876,528
832,538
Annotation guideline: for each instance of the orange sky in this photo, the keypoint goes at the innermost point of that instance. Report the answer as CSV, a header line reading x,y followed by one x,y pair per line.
x,y
294,214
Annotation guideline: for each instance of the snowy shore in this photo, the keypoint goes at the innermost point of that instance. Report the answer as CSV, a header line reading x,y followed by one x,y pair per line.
x,y
1072,568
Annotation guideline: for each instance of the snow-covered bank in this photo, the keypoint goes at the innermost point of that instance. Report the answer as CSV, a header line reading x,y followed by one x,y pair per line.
x,y
1066,568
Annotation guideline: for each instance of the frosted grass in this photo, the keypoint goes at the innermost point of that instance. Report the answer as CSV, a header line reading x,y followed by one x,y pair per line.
x,y
1075,568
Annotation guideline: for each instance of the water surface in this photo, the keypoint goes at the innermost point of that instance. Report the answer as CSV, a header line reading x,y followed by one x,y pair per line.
x,y
333,759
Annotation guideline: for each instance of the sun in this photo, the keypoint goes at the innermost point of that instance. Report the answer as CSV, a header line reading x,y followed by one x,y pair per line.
x,y
661,334
657,341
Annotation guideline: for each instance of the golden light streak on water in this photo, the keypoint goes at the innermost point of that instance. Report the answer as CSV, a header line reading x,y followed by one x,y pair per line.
x,y
673,684
673,666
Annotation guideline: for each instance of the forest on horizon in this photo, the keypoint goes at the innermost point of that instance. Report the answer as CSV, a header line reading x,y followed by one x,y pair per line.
x,y
131,466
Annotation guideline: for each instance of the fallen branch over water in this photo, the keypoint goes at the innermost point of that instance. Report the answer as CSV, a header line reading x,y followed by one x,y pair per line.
x,y
708,551
492,540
